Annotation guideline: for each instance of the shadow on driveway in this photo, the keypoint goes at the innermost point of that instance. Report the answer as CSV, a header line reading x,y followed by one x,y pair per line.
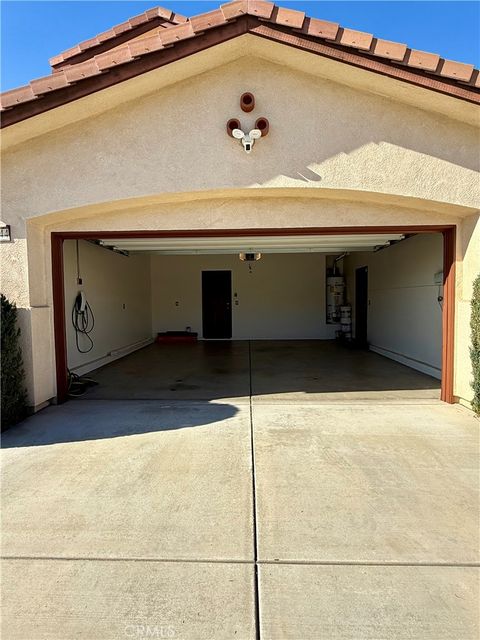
x,y
97,419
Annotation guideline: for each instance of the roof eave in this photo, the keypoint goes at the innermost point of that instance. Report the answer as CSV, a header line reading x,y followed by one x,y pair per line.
x,y
134,66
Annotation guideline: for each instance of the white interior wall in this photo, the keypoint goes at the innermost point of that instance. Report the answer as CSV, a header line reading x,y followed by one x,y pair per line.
x,y
404,315
282,298
118,290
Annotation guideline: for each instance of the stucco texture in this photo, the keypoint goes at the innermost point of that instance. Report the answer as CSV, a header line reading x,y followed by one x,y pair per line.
x,y
322,134
334,156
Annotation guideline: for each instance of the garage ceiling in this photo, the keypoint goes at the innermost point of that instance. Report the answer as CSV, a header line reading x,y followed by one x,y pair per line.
x,y
252,244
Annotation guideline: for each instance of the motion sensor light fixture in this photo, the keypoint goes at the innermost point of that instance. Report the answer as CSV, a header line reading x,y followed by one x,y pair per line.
x,y
249,257
261,128
248,139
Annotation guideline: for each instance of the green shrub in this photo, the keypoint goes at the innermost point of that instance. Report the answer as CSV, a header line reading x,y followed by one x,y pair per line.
x,y
475,348
14,395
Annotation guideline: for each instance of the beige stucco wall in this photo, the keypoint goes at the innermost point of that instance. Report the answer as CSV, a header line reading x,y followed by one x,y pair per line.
x,y
334,156
468,268
119,293
282,296
404,316
322,134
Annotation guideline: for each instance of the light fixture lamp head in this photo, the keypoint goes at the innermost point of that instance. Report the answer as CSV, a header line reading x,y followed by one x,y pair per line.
x,y
248,139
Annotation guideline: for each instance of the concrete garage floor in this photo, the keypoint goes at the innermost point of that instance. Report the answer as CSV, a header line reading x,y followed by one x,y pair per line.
x,y
313,370
291,516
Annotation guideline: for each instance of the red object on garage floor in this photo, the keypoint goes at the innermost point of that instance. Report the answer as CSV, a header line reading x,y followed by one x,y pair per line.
x,y
176,336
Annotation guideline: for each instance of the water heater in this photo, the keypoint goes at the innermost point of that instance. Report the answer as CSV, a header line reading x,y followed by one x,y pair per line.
x,y
335,297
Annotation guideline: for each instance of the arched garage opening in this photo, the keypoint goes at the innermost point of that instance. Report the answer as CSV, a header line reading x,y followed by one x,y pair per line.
x,y
274,312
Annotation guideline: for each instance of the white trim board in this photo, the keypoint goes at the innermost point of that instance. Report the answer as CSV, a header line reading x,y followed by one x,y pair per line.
x,y
423,367
113,355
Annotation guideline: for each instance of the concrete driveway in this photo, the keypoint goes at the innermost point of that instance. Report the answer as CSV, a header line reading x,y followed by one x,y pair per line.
x,y
157,519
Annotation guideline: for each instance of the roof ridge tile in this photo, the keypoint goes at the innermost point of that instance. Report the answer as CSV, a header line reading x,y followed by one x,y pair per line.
x,y
320,28
260,8
132,23
145,45
394,51
288,17
12,97
176,33
422,60
86,69
207,20
49,83
455,70
355,39
113,58
234,9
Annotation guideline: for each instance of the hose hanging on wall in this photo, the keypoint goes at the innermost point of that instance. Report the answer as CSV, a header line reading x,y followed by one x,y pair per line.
x,y
83,321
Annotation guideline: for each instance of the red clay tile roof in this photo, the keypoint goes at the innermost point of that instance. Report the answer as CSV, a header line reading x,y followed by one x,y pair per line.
x,y
75,76
132,28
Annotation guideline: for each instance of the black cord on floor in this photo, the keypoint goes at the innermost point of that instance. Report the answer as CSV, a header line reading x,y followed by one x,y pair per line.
x,y
78,385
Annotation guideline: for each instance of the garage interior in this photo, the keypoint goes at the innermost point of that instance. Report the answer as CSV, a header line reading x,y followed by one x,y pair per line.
x,y
328,317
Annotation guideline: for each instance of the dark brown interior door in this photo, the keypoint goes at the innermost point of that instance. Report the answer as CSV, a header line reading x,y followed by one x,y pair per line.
x,y
361,305
217,304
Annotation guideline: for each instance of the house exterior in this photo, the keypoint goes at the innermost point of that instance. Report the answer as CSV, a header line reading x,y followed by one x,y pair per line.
x,y
128,139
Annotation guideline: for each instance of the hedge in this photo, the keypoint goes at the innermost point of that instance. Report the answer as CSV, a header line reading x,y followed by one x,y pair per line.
x,y
14,395
475,348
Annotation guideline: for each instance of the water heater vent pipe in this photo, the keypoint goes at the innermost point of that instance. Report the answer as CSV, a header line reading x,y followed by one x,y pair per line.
x,y
344,255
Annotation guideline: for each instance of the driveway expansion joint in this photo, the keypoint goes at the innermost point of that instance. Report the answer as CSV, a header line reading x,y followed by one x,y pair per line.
x,y
326,563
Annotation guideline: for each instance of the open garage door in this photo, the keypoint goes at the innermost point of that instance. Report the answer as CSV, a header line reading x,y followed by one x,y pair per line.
x,y
313,305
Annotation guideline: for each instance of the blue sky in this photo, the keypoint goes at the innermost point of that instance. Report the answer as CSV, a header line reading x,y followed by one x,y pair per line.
x,y
32,32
